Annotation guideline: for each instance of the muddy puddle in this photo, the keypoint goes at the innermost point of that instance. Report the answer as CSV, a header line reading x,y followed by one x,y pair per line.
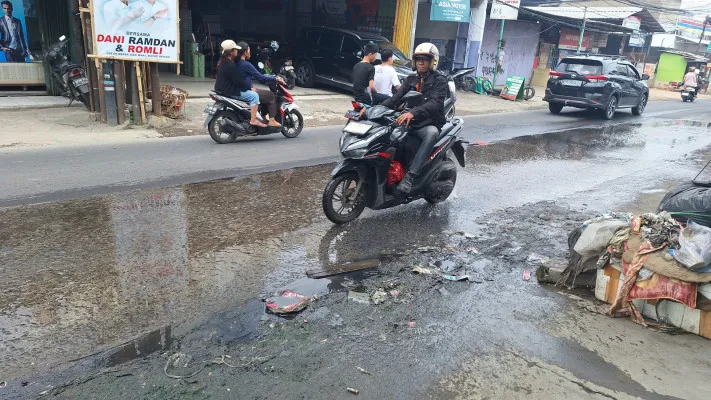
x,y
115,278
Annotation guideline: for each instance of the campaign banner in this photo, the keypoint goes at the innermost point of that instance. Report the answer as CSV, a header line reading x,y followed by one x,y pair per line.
x,y
450,10
138,30
13,33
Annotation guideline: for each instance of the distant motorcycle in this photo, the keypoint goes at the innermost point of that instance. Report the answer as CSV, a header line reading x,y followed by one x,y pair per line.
x,y
228,118
71,78
286,69
688,94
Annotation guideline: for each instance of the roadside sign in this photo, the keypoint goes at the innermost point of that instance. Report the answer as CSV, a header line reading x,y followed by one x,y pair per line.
x,y
514,88
450,10
505,9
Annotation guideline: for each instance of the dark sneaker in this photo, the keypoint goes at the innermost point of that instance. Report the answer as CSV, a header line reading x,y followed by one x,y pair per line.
x,y
405,186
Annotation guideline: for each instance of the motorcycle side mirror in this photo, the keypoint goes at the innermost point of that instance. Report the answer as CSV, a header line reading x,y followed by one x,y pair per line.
x,y
261,65
645,77
62,38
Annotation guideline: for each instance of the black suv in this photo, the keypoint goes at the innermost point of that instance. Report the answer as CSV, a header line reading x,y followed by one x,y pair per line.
x,y
597,82
327,55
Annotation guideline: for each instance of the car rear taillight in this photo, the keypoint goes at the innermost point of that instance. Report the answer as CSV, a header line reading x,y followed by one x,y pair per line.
x,y
555,74
596,78
75,73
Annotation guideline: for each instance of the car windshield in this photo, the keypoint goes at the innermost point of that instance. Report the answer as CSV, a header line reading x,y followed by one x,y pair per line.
x,y
581,67
398,57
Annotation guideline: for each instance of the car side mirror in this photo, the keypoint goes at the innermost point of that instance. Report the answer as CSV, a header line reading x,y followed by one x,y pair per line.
x,y
645,77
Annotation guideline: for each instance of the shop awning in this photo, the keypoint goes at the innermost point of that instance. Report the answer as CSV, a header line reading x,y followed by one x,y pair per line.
x,y
608,19
687,56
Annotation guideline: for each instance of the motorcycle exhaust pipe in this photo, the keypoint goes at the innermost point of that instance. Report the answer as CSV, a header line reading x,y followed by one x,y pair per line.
x,y
233,127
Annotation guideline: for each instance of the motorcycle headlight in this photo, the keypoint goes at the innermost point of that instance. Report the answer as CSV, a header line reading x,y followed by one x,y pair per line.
x,y
358,153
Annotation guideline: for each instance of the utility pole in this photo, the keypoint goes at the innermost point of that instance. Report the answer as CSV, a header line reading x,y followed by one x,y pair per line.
x,y
582,30
703,32
498,50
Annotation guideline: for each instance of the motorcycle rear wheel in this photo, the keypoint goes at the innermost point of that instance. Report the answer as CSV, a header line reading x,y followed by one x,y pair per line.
x,y
339,189
214,128
442,189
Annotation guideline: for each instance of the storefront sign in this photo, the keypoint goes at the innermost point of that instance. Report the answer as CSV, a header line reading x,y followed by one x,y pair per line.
x,y
450,10
13,33
514,88
140,30
569,39
691,29
634,23
505,9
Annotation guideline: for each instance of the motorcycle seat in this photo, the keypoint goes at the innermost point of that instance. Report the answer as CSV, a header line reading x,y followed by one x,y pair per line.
x,y
238,103
445,130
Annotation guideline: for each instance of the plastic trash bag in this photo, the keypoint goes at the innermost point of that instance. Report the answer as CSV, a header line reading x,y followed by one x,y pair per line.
x,y
695,246
690,201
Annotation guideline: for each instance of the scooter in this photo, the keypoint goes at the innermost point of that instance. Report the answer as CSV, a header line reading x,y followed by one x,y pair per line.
x,y
71,78
228,118
688,94
377,152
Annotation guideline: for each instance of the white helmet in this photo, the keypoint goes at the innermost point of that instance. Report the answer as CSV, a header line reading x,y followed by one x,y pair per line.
x,y
429,50
229,45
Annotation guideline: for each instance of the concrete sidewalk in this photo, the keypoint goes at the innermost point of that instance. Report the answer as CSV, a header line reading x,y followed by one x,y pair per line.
x,y
35,102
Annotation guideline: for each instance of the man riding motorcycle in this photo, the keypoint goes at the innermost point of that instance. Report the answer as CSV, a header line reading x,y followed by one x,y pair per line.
x,y
428,118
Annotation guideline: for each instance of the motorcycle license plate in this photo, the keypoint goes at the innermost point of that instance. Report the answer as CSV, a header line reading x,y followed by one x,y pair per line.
x,y
288,68
210,109
353,115
81,81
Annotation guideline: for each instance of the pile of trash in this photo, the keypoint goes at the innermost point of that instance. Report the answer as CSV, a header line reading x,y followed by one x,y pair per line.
x,y
656,265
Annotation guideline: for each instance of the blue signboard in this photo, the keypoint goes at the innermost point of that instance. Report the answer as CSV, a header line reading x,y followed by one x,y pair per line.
x,y
450,10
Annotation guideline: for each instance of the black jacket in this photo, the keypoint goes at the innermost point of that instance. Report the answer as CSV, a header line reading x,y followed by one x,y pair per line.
x,y
434,90
229,81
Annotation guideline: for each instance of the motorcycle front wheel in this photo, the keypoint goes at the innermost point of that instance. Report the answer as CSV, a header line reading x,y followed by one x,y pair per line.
x,y
338,203
293,124
216,130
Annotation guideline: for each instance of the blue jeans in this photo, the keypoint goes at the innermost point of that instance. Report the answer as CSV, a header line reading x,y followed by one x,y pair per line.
x,y
250,97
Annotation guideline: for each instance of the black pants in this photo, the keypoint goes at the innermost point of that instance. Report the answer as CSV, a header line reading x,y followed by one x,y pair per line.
x,y
379,98
428,135
13,55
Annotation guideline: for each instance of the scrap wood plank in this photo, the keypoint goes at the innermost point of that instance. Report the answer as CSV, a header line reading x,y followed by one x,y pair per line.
x,y
342,269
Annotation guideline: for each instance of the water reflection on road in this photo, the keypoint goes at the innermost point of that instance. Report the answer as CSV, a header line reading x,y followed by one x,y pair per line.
x,y
84,275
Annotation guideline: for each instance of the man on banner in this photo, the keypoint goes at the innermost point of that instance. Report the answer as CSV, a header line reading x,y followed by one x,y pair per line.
x,y
12,39
119,14
154,16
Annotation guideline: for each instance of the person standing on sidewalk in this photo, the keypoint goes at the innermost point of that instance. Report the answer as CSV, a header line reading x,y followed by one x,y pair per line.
x,y
385,78
364,75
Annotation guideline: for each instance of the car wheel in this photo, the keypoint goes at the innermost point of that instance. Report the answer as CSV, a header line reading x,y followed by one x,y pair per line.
x,y
555,108
641,106
611,108
305,74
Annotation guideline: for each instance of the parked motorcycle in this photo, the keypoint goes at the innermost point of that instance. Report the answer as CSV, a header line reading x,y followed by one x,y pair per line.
x,y
688,94
228,118
377,153
286,69
462,78
71,78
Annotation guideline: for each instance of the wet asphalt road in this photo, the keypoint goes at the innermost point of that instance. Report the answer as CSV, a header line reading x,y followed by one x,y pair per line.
x,y
183,269
34,176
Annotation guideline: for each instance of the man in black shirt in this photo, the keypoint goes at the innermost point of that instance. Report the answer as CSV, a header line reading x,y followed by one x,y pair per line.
x,y
364,75
428,118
